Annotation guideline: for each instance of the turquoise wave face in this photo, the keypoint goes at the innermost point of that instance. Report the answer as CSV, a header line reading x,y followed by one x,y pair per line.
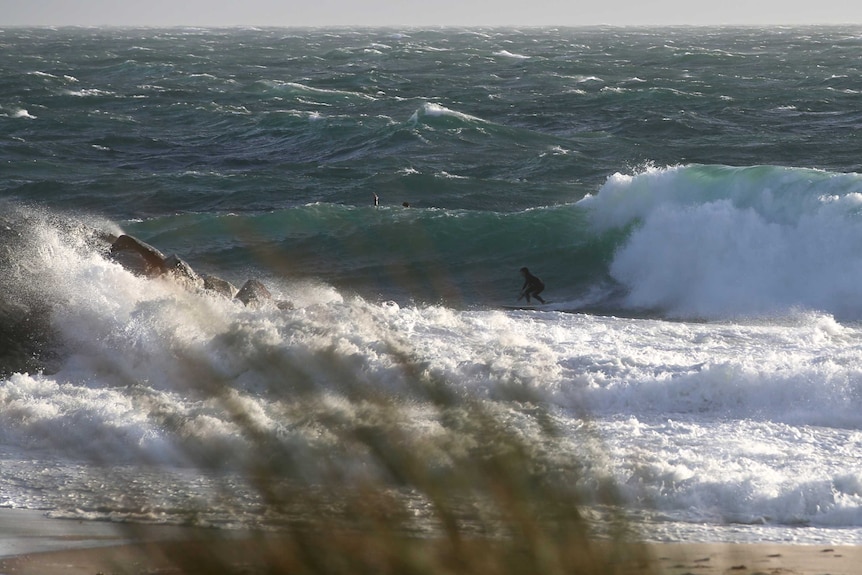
x,y
457,257
689,241
709,242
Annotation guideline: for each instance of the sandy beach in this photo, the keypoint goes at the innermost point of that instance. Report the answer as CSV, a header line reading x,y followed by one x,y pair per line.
x,y
31,543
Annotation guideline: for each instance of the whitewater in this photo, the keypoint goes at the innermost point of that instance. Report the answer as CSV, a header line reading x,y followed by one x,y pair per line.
x,y
691,198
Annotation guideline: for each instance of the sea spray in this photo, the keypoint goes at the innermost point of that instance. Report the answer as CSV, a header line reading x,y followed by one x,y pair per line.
x,y
697,373
718,242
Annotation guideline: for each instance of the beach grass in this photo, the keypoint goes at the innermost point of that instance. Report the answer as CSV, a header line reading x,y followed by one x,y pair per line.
x,y
474,496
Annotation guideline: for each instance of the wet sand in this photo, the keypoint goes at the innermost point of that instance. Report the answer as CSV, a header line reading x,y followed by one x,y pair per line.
x,y
31,543
756,559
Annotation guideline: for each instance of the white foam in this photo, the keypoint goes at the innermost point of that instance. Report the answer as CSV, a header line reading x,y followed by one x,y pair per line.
x,y
726,242
750,422
432,109
507,54
88,92
21,113
303,88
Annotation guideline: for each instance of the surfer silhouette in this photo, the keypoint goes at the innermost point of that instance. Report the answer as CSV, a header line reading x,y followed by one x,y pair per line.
x,y
533,286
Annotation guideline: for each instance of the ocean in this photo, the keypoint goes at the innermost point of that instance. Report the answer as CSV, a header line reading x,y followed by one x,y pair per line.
x,y
691,198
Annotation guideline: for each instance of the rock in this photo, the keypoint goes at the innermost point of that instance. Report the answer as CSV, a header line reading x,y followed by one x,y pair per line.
x,y
253,293
143,259
219,286
138,257
182,272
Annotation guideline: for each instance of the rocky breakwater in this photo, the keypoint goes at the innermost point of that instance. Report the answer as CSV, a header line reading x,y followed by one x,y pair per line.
x,y
143,259
28,343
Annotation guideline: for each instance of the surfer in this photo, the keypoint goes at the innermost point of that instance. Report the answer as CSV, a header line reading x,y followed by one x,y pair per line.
x,y
533,286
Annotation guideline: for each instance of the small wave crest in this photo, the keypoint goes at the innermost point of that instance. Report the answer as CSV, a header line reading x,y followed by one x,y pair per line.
x,y
19,113
512,55
431,110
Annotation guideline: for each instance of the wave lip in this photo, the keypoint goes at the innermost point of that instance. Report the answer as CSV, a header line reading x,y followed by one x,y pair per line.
x,y
432,110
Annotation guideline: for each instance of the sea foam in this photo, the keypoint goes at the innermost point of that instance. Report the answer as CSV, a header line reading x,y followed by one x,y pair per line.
x,y
717,242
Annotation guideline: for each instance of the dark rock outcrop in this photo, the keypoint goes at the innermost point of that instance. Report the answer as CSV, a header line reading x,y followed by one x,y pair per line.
x,y
143,259
253,293
182,272
219,286
138,257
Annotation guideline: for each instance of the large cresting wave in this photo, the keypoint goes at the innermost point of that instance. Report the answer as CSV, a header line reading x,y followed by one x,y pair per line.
x,y
720,242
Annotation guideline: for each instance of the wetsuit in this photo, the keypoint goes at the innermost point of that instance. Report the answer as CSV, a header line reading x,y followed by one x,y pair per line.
x,y
533,286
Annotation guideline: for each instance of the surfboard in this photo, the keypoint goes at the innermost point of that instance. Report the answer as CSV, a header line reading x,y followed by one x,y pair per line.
x,y
525,306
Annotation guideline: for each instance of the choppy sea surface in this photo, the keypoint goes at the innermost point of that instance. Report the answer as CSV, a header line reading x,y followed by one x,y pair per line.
x,y
692,199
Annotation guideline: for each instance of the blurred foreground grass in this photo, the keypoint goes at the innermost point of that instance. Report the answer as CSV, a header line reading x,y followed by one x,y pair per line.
x,y
477,497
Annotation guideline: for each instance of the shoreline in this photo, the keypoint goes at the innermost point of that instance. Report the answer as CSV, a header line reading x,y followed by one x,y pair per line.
x,y
31,544
26,532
